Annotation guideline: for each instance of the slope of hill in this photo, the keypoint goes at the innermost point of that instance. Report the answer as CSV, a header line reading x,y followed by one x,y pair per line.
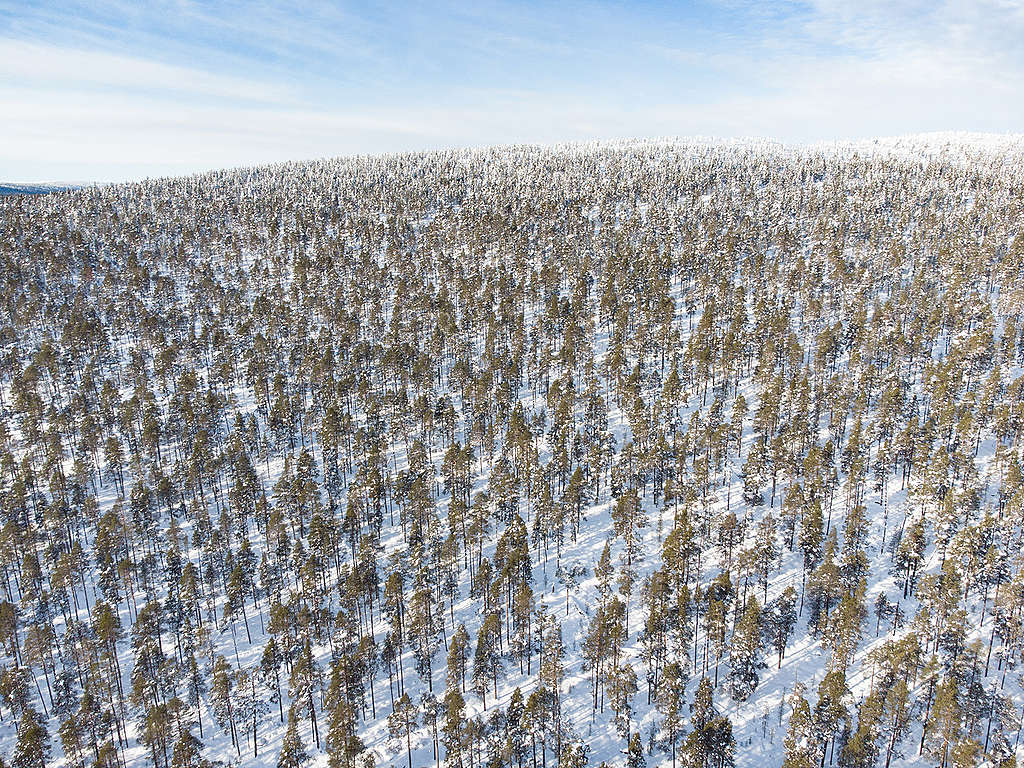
x,y
651,453
31,189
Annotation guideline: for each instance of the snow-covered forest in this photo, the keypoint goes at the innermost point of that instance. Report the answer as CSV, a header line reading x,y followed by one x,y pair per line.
x,y
689,454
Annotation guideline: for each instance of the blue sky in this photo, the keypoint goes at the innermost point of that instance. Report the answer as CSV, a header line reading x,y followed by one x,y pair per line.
x,y
120,89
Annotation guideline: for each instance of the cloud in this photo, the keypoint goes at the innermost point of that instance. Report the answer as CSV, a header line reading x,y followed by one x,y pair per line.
x,y
68,71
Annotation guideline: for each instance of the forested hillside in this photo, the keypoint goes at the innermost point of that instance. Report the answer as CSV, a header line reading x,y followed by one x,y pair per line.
x,y
637,454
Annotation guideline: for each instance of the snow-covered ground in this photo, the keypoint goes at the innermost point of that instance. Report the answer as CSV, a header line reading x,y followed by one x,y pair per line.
x,y
760,722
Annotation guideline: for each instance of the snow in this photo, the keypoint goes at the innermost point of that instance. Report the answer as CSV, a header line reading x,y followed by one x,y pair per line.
x,y
759,723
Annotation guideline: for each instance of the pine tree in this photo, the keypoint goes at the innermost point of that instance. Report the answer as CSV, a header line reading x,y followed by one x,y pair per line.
x,y
454,737
305,680
745,658
574,755
293,753
861,749
942,730
343,744
458,655
249,705
487,666
32,748
551,674
829,711
187,752
221,696
515,733
622,687
710,743
812,537
401,722
782,620
270,674
635,753
670,699
801,746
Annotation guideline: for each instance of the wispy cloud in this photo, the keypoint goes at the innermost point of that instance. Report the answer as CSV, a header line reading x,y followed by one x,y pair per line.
x,y
50,69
